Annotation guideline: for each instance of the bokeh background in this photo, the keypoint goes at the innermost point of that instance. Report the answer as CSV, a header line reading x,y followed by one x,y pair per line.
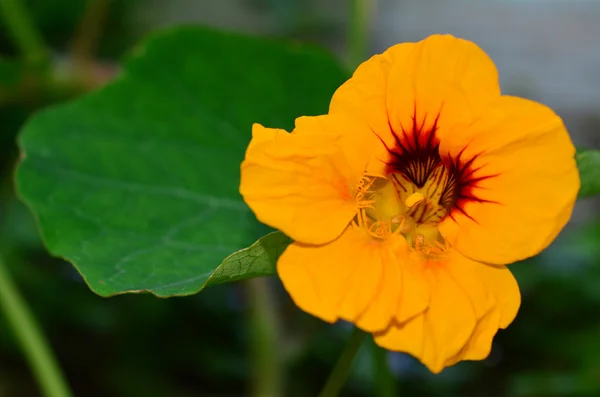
x,y
138,345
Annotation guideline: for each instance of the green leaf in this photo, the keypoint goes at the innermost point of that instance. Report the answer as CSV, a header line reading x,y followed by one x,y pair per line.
x,y
11,74
137,183
588,162
255,261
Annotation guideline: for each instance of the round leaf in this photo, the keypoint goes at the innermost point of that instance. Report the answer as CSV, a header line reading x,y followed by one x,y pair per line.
x,y
137,184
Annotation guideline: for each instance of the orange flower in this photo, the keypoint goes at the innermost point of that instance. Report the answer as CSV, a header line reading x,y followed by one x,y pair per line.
x,y
407,200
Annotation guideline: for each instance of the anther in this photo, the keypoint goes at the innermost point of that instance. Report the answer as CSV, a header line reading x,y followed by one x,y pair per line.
x,y
419,242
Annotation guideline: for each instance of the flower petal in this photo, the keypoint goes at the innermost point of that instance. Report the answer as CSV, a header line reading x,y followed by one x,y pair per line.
x,y
403,292
441,79
352,278
363,95
302,183
502,285
495,297
469,302
415,292
352,137
444,328
467,274
445,77
522,160
407,337
479,345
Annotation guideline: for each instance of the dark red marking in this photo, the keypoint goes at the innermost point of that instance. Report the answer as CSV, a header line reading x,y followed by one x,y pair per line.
x,y
416,155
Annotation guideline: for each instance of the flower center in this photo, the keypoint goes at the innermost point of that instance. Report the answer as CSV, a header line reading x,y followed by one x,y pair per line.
x,y
397,205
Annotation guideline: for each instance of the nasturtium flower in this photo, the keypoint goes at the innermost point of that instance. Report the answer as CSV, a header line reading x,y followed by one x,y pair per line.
x,y
409,198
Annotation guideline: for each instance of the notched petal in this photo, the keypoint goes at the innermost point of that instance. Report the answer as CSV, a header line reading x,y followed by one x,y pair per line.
x,y
298,183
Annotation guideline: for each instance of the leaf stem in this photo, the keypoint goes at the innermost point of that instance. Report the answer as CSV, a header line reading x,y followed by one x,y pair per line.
x,y
266,359
29,336
22,29
342,368
360,19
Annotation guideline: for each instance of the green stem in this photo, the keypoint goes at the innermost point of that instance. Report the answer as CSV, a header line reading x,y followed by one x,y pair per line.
x,y
30,337
342,368
87,37
360,18
22,29
385,384
266,359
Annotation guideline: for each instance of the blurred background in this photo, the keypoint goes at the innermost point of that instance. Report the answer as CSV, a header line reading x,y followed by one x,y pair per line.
x,y
138,345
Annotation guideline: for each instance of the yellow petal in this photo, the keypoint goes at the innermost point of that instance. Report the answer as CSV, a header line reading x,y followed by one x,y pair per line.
x,y
352,278
495,297
412,87
302,183
438,334
415,292
479,344
352,137
502,285
473,279
363,95
441,78
521,160
469,301
449,323
407,337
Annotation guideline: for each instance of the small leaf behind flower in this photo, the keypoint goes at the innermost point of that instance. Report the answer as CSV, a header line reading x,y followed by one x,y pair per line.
x,y
255,261
588,162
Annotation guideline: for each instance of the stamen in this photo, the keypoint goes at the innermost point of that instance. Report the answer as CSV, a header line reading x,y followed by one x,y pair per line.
x,y
383,210
439,245
414,199
363,186
419,242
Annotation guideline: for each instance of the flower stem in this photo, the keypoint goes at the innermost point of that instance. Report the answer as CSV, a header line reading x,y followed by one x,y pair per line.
x,y
87,38
360,18
30,337
22,29
385,384
342,368
266,359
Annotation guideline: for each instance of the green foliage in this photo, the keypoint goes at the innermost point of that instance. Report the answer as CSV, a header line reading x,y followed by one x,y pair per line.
x,y
137,183
10,75
588,162
255,261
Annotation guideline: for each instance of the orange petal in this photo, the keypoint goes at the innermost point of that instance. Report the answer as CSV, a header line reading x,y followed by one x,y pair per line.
x,y
473,280
502,285
527,181
495,298
439,333
415,295
449,323
363,95
405,337
352,137
405,89
469,302
479,344
302,183
441,76
403,292
353,278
